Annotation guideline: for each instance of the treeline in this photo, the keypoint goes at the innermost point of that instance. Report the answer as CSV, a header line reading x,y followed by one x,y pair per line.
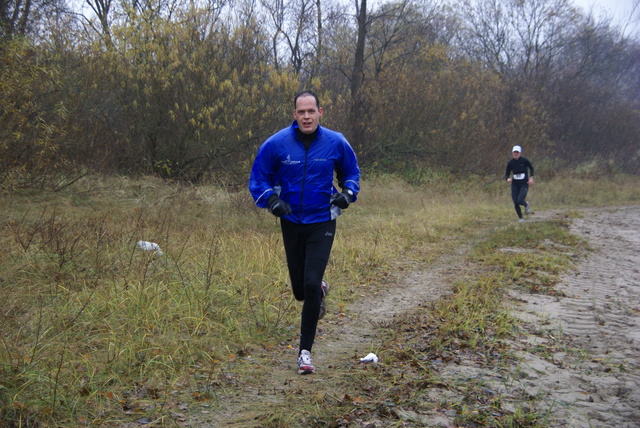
x,y
187,89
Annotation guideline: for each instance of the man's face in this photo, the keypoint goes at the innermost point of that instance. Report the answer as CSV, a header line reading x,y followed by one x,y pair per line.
x,y
516,155
307,114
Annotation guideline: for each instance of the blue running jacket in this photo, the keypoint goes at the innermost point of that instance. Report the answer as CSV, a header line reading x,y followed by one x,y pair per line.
x,y
304,178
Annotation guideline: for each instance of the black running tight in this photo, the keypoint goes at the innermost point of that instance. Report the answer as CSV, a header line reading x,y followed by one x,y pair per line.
x,y
308,247
519,189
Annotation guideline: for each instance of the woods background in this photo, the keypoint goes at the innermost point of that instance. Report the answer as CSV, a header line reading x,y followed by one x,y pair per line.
x,y
187,89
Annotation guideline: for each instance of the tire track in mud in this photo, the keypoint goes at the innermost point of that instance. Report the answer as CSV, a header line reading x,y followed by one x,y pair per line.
x,y
596,380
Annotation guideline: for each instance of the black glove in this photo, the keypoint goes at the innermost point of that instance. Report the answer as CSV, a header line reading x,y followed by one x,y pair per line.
x,y
343,199
277,206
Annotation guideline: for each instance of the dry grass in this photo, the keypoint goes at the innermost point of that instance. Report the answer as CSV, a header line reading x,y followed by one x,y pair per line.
x,y
95,331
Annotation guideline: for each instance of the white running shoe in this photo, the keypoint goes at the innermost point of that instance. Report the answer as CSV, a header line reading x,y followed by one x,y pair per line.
x,y
521,220
304,363
323,302
527,208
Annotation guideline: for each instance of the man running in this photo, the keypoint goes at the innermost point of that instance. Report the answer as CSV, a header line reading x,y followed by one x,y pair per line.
x,y
292,176
520,181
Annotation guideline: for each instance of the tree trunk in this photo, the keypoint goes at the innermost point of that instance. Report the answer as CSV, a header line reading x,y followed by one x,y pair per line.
x,y
357,122
319,47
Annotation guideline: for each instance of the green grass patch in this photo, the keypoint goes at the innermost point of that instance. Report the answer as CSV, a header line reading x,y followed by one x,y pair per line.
x,y
531,255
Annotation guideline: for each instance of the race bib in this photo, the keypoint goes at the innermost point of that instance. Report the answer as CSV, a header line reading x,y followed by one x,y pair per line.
x,y
518,176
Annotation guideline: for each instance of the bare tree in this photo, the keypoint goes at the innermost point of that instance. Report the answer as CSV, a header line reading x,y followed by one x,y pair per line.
x,y
20,17
358,109
541,28
358,63
486,35
319,54
517,38
294,27
398,30
102,9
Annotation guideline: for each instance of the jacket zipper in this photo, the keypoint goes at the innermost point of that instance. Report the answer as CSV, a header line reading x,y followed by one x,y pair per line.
x,y
304,180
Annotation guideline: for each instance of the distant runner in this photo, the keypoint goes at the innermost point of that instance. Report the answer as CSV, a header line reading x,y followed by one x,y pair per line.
x,y
520,182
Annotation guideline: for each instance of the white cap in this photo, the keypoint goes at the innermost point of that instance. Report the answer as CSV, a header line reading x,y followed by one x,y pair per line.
x,y
517,149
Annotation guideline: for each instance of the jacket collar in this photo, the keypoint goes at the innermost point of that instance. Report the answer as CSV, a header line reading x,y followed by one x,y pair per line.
x,y
294,126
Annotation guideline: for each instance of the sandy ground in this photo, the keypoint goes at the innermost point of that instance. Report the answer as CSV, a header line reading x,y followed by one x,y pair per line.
x,y
594,377
588,375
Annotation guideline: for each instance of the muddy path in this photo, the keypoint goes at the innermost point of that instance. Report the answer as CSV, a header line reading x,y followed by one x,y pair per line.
x,y
592,378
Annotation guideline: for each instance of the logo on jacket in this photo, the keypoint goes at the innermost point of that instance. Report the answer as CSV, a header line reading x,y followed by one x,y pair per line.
x,y
288,161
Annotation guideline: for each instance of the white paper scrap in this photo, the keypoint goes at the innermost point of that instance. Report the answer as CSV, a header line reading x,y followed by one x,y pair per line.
x,y
370,358
149,246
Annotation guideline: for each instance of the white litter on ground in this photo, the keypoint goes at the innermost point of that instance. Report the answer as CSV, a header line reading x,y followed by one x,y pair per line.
x,y
149,246
370,358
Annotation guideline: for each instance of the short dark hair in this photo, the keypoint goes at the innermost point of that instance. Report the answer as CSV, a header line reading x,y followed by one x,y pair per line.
x,y
303,94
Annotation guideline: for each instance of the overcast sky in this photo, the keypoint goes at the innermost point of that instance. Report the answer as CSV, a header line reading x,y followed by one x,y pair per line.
x,y
618,9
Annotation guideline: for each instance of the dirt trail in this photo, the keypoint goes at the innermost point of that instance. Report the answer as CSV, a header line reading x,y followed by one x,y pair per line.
x,y
599,314
340,343
598,385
